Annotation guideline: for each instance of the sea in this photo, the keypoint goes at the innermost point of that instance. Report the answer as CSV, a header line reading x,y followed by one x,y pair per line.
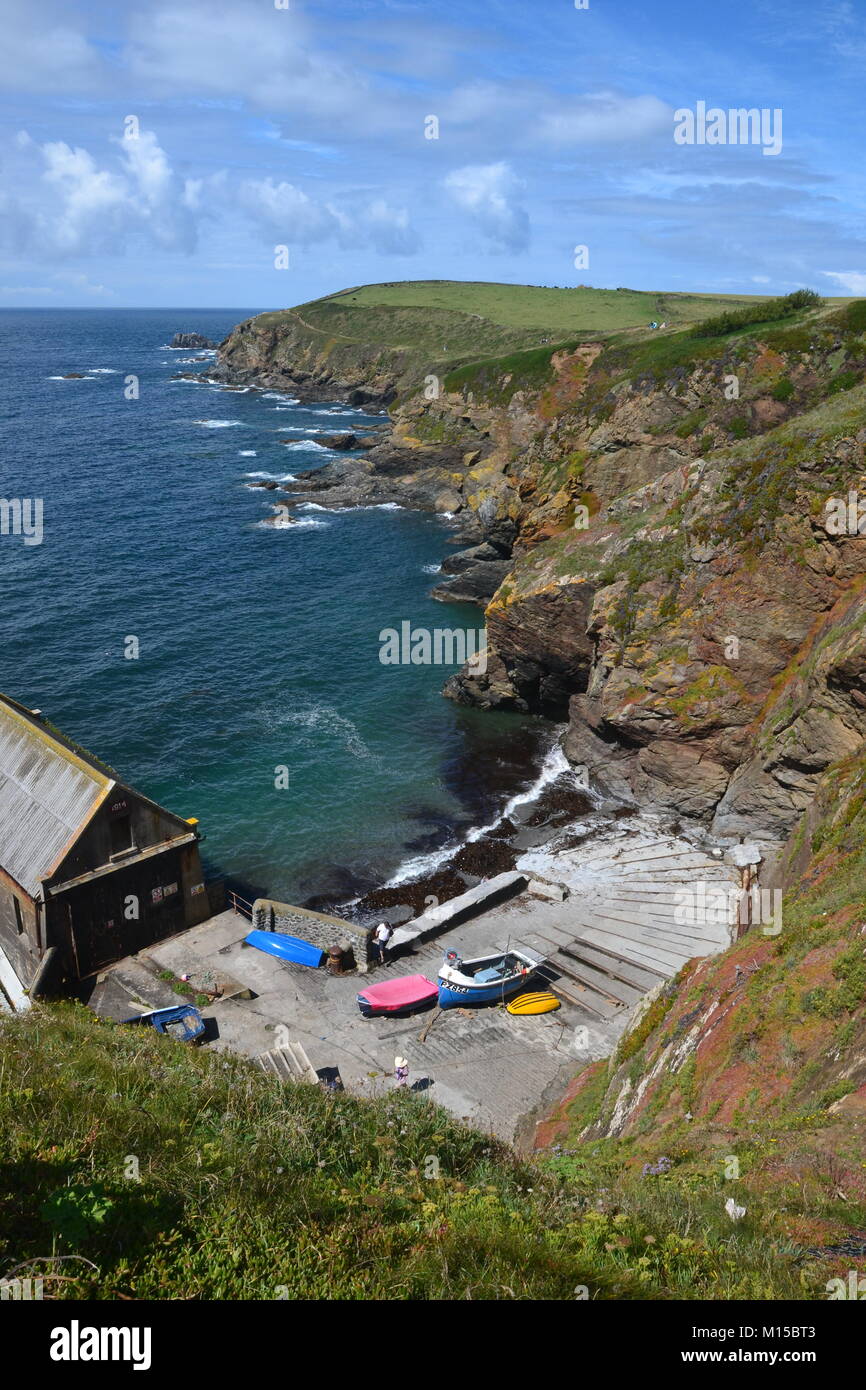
x,y
228,668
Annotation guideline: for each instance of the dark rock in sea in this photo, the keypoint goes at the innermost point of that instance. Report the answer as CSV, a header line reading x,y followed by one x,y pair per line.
x,y
191,340
462,560
348,441
270,485
336,441
411,477
73,376
477,584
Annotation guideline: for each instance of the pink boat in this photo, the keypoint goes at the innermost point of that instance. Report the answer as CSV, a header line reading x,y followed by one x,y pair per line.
x,y
402,996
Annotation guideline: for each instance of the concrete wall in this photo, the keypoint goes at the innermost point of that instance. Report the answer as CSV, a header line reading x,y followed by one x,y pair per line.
x,y
315,927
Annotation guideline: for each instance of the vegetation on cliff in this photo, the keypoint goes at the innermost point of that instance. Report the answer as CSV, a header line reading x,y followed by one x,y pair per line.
x,y
745,1078
384,340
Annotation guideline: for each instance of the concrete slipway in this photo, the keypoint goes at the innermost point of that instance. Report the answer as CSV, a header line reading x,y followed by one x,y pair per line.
x,y
615,936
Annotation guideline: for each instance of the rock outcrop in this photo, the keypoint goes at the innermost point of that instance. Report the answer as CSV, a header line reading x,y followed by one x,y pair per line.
x,y
191,340
645,526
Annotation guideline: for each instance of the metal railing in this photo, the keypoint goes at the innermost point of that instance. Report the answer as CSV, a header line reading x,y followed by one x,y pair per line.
x,y
239,904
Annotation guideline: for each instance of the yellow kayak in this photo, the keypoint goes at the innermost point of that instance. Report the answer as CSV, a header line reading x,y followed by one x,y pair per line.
x,y
538,1003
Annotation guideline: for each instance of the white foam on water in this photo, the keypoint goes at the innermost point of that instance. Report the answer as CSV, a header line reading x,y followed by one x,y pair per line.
x,y
217,424
284,525
431,569
307,444
324,718
247,453
369,507
103,371
554,765
280,396
83,377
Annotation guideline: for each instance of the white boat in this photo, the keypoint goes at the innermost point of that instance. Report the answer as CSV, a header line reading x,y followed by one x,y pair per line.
x,y
484,980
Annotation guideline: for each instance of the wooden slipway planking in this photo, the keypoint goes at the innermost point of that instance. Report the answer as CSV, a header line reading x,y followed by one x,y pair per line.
x,y
622,929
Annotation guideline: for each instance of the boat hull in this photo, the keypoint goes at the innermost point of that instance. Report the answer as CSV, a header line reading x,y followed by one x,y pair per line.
x,y
287,948
539,1002
451,993
484,980
182,1022
402,996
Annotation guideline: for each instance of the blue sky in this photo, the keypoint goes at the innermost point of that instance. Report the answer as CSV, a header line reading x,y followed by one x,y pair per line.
x,y
257,127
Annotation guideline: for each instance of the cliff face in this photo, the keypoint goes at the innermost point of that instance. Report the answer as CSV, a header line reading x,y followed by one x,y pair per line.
x,y
281,351
683,598
646,524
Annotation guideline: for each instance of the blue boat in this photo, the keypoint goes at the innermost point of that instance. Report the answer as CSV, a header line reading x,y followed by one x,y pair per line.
x,y
181,1021
284,947
484,980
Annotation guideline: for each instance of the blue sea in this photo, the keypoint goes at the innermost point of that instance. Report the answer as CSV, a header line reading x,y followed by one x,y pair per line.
x,y
257,701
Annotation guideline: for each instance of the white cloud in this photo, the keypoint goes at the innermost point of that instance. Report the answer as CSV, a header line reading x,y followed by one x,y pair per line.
x,y
75,205
852,280
389,229
244,50
291,216
286,212
603,118
43,51
490,194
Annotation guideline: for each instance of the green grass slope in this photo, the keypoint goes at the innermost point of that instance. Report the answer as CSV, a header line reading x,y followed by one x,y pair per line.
x,y
538,309
158,1171
446,320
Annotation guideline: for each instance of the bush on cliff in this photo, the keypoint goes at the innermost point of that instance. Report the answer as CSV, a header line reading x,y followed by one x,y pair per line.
x,y
766,311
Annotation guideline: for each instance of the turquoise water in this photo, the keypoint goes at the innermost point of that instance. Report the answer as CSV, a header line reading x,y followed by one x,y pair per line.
x,y
258,647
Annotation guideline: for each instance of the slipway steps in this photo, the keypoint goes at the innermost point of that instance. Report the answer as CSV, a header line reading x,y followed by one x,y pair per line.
x,y
289,1063
628,924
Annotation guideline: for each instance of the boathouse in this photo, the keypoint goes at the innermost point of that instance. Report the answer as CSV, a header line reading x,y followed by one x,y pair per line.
x,y
90,870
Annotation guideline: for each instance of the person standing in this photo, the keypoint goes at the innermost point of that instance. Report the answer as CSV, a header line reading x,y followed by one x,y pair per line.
x,y
401,1071
381,937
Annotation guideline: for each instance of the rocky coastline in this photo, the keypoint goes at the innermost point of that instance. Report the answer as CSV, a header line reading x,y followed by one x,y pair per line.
x,y
652,558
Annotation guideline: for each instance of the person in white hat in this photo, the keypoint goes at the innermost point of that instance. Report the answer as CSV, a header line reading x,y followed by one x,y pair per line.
x,y
401,1070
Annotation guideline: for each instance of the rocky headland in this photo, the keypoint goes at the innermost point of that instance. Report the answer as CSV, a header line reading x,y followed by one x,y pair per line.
x,y
644,522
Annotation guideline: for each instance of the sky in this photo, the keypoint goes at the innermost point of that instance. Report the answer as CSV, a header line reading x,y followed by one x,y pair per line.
x,y
161,153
